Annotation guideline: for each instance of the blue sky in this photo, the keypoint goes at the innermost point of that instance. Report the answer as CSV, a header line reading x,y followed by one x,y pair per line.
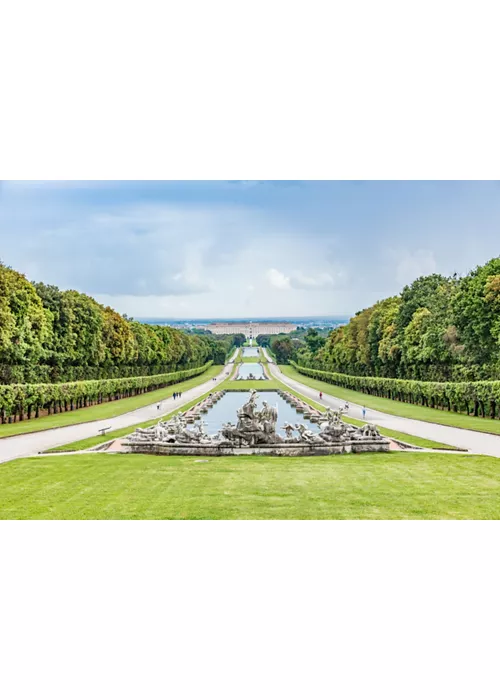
x,y
245,247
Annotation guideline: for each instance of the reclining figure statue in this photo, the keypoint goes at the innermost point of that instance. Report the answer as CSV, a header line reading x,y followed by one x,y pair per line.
x,y
308,435
368,431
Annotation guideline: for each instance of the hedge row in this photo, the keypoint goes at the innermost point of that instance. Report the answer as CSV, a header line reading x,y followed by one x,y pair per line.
x,y
474,398
49,374
20,400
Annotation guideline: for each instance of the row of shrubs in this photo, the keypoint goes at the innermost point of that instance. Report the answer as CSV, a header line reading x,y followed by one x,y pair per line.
x,y
29,400
49,374
473,398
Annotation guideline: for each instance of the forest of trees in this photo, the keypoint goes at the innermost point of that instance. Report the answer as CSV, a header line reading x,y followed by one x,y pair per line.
x,y
49,336
288,347
439,329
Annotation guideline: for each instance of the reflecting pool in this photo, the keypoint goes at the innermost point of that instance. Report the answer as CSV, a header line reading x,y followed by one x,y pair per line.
x,y
248,368
225,411
250,352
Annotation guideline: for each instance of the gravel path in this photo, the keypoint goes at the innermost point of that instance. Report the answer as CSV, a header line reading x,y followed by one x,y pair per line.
x,y
476,442
33,443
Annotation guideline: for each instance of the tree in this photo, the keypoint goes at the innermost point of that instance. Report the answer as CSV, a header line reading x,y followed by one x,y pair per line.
x,y
25,325
283,350
314,340
264,340
475,309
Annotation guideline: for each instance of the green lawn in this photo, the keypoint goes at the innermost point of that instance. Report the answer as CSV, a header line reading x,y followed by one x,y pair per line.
x,y
105,410
382,486
247,384
397,408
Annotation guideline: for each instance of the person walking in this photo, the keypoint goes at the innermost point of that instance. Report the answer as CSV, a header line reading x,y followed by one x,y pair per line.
x,y
364,412
174,395
320,395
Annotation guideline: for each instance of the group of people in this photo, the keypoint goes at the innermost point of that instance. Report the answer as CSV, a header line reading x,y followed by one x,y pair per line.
x,y
175,395
345,408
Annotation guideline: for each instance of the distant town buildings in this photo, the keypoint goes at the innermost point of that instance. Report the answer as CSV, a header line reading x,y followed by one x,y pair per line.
x,y
250,329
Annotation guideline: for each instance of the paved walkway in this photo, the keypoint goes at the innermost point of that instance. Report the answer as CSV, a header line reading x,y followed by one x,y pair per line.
x,y
479,443
33,443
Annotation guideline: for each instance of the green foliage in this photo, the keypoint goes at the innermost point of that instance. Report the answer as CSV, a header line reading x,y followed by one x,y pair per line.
x,y
24,323
438,329
283,349
53,336
479,398
239,340
314,340
29,399
264,340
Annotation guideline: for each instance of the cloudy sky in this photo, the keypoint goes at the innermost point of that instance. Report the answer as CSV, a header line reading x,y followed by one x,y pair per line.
x,y
245,247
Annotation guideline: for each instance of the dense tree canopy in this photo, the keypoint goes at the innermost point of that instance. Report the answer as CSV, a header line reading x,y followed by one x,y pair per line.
x,y
438,329
50,335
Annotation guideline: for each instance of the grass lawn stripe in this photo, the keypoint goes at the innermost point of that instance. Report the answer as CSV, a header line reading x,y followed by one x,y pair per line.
x,y
398,485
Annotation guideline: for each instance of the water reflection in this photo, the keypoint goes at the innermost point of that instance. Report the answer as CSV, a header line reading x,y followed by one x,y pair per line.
x,y
225,411
250,352
248,368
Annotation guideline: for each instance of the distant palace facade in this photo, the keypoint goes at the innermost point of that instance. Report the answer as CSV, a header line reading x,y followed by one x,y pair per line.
x,y
251,330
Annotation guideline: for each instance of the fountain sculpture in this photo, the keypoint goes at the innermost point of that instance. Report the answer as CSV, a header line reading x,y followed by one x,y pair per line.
x,y
255,433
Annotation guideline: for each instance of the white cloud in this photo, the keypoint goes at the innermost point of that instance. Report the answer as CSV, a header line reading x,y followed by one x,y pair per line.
x,y
277,279
322,280
413,264
299,280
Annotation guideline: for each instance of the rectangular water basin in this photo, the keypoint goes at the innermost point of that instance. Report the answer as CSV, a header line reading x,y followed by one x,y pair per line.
x,y
248,368
226,411
250,352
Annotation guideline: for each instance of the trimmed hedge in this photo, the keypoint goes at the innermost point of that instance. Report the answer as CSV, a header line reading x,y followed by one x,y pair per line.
x,y
473,398
48,374
20,400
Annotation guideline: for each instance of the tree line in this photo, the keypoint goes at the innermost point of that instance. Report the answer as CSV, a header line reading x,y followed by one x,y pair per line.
x,y
48,336
439,329
287,347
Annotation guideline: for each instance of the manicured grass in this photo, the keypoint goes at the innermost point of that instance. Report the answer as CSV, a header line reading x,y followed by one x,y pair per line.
x,y
105,410
247,384
381,486
397,408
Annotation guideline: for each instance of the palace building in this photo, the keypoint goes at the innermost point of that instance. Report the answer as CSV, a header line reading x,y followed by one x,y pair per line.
x,y
251,329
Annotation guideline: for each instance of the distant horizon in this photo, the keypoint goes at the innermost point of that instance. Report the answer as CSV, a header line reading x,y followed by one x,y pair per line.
x,y
245,319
